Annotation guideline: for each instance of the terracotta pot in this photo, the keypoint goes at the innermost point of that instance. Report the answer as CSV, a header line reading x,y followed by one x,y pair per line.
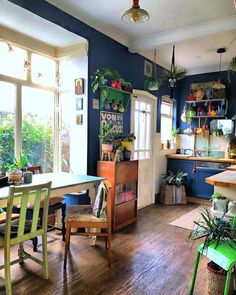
x,y
107,147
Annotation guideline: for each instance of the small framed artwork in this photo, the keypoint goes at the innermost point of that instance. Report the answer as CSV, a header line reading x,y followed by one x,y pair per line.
x,y
79,119
147,68
79,86
79,103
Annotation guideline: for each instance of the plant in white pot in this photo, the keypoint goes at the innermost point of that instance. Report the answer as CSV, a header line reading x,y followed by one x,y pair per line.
x,y
219,203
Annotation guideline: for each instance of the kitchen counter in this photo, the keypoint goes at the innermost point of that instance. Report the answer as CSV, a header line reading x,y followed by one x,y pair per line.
x,y
224,179
224,183
208,159
231,168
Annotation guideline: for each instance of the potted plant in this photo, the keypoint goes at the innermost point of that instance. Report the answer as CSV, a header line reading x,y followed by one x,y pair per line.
x,y
173,188
14,170
173,77
106,138
232,65
219,202
214,230
127,141
152,84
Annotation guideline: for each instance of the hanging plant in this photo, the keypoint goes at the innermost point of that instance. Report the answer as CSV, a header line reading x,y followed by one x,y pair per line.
x,y
152,84
173,77
232,65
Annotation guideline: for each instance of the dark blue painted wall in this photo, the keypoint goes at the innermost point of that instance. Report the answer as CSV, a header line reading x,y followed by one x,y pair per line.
x,y
103,52
184,87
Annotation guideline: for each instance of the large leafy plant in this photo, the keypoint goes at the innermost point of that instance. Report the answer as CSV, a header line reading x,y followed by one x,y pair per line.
x,y
178,178
213,229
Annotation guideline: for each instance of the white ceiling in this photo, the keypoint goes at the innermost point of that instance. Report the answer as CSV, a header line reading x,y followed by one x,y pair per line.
x,y
22,20
198,28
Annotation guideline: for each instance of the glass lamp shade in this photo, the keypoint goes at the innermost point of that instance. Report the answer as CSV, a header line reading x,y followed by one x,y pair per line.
x,y
218,85
135,15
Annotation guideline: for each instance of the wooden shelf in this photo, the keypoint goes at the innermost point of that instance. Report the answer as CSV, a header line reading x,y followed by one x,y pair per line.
x,y
209,117
113,95
204,100
121,174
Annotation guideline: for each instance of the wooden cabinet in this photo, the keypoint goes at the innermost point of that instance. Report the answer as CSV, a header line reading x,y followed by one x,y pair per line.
x,y
124,180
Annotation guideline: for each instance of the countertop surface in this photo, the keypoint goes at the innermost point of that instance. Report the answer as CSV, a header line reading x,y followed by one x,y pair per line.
x,y
208,159
224,179
231,168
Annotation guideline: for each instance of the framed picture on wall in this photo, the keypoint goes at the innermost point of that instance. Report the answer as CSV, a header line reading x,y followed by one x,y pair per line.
x,y
79,86
147,68
79,103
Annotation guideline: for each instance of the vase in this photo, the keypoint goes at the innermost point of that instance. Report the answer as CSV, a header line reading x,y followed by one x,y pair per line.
x,y
15,176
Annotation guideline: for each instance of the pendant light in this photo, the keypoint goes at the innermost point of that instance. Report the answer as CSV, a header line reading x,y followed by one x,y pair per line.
x,y
218,84
135,14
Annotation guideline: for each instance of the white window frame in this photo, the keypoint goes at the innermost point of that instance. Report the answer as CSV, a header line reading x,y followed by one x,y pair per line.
x,y
167,101
18,107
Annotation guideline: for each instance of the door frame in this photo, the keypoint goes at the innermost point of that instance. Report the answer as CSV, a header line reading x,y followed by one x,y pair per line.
x,y
145,94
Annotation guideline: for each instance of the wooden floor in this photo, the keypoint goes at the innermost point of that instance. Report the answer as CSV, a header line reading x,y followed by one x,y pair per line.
x,y
150,258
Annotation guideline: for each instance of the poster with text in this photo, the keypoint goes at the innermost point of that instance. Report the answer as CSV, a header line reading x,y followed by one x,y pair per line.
x,y
112,118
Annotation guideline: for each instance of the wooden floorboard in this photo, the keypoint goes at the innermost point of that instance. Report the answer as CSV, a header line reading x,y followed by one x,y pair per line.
x,y
149,258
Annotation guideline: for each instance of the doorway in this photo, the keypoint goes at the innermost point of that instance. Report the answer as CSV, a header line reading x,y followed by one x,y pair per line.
x,y
143,124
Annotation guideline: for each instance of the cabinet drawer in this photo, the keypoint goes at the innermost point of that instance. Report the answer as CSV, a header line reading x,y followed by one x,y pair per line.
x,y
127,172
125,214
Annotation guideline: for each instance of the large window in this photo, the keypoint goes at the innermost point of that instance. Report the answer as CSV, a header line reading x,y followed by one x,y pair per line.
x,y
166,119
28,107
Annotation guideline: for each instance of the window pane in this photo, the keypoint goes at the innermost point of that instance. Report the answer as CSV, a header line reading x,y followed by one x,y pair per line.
x,y
7,121
166,109
65,132
166,126
43,70
142,131
37,126
12,62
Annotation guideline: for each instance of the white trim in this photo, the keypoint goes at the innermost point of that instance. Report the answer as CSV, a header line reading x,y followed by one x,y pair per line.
x,y
206,28
148,95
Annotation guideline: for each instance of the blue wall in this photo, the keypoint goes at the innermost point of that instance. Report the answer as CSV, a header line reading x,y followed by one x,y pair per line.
x,y
103,52
184,87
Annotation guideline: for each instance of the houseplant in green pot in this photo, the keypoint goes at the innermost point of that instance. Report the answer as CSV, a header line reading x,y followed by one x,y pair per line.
x,y
173,188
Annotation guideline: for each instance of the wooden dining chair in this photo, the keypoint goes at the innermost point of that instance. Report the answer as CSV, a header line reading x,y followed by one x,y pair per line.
x,y
55,203
91,217
17,231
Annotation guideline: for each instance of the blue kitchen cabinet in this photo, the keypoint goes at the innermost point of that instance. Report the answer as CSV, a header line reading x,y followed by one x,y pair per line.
x,y
197,172
203,189
187,166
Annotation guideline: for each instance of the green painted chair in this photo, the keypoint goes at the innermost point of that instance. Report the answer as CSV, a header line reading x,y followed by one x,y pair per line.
x,y
224,255
19,230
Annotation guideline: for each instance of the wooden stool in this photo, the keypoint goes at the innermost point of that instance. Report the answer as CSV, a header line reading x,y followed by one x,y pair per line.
x,y
106,156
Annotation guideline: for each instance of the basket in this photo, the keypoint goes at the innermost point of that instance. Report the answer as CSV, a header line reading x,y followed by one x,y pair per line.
x,y
172,195
216,281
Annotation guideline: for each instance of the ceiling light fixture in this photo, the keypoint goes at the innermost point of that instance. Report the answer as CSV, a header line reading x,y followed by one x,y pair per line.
x,y
135,14
218,84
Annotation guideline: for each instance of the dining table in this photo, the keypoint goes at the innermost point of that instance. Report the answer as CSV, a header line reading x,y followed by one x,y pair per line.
x,y
62,183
